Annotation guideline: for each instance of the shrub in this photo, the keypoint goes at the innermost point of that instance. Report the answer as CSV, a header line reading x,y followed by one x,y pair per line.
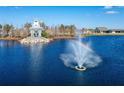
x,y
44,34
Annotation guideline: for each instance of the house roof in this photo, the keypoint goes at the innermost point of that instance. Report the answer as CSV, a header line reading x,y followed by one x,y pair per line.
x,y
116,29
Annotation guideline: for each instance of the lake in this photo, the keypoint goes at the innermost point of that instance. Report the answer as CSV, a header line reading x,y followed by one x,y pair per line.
x,y
22,65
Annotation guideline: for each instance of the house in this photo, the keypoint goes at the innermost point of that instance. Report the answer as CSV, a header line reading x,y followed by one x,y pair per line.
x,y
117,30
101,30
87,31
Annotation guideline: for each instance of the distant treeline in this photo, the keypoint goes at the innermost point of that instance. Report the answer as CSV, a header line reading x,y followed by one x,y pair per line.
x,y
8,30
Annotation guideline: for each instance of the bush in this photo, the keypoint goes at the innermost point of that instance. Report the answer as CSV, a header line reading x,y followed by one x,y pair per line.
x,y
44,34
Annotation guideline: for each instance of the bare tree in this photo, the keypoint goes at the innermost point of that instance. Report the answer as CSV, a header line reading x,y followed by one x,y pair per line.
x,y
27,26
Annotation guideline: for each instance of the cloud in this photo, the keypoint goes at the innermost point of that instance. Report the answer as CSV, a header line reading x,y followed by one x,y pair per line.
x,y
111,12
107,7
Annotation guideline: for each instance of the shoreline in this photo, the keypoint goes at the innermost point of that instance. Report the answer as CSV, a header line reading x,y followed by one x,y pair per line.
x,y
64,37
10,38
57,38
103,34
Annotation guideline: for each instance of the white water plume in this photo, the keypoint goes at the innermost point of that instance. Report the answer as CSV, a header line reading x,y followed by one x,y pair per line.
x,y
79,54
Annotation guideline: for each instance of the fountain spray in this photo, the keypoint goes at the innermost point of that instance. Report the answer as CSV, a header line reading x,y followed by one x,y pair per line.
x,y
79,55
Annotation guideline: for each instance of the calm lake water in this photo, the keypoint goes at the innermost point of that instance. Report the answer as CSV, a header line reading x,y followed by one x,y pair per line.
x,y
41,64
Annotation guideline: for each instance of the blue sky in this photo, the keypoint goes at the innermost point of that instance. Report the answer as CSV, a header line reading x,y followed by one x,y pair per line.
x,y
81,16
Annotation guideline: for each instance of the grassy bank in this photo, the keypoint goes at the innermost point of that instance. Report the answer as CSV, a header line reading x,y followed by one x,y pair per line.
x,y
9,38
69,37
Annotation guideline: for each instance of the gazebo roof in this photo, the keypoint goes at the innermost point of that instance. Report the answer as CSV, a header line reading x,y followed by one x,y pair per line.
x,y
39,28
36,25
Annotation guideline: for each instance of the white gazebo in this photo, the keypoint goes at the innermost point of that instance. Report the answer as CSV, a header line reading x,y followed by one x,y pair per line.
x,y
36,29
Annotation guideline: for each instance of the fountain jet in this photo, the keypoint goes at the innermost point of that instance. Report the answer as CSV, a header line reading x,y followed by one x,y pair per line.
x,y
79,55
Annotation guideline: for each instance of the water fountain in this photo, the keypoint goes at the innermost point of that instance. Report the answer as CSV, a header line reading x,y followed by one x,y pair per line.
x,y
79,56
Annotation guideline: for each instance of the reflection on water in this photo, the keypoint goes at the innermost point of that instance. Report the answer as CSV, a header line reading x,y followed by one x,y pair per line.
x,y
80,78
7,50
5,43
36,61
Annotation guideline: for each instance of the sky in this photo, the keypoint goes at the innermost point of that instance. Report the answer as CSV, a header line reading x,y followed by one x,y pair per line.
x,y
81,16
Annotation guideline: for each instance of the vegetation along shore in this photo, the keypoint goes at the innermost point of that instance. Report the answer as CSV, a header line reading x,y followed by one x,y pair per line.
x,y
9,32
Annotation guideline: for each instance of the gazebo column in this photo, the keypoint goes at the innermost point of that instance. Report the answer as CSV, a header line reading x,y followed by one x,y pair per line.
x,y
39,33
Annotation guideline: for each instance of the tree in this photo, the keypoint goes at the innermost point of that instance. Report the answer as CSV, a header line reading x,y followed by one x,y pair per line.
x,y
72,29
1,26
7,28
16,33
67,30
43,25
27,26
62,29
24,33
10,33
